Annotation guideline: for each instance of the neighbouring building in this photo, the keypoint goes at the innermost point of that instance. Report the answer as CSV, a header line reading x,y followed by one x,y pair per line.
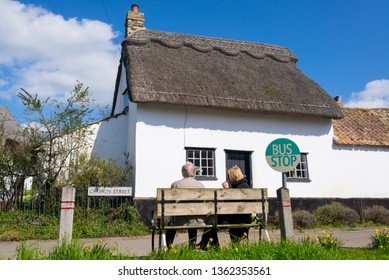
x,y
10,130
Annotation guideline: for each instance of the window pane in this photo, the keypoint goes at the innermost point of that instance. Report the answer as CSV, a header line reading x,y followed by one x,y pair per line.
x,y
301,170
203,159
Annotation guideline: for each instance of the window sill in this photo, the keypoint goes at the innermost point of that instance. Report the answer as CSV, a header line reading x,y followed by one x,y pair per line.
x,y
298,180
203,178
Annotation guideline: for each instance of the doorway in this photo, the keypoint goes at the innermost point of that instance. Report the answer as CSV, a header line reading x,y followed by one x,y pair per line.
x,y
242,159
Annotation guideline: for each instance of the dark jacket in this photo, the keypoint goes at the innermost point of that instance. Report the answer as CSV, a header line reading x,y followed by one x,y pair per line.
x,y
237,218
240,184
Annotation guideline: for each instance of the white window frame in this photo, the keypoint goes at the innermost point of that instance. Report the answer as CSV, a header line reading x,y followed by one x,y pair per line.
x,y
301,172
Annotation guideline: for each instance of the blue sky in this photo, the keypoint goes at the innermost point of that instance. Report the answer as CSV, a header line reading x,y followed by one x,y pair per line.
x,y
47,45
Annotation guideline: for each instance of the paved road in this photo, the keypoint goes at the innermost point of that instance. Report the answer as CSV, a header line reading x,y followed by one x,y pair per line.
x,y
141,245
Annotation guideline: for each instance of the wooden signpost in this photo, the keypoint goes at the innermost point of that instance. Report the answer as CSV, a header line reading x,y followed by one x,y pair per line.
x,y
67,213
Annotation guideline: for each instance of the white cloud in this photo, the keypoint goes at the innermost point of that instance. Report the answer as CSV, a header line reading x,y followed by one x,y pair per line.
x,y
46,54
375,95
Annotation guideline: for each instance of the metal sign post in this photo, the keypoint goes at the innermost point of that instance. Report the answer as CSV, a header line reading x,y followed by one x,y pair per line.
x,y
283,155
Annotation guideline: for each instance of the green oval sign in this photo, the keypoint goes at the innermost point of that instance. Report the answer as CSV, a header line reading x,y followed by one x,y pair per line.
x,y
283,155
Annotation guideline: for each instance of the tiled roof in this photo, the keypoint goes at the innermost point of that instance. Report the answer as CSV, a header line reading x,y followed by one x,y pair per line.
x,y
362,127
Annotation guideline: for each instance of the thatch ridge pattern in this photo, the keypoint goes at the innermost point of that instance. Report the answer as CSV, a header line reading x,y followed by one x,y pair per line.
x,y
205,44
222,74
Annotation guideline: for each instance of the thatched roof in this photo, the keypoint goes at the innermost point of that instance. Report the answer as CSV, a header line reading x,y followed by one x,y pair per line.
x,y
363,127
224,74
9,127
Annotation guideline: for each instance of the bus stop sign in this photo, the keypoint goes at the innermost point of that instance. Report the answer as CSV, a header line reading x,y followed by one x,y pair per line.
x,y
283,155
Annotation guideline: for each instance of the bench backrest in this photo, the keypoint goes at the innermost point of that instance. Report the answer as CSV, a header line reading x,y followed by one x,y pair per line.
x,y
186,201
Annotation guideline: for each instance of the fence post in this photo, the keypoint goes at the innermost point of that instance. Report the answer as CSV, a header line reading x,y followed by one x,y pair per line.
x,y
67,213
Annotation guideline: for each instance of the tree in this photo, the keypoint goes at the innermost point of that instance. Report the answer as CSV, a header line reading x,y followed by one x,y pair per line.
x,y
55,131
14,165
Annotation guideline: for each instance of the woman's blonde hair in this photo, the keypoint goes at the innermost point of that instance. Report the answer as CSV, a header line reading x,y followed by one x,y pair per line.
x,y
235,174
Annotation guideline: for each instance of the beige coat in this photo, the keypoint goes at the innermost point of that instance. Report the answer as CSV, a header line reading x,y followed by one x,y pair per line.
x,y
192,220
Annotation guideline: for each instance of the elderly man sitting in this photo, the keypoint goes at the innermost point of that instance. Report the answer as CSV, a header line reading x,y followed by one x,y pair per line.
x,y
188,181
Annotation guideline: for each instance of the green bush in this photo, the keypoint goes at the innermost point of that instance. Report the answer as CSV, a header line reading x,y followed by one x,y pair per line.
x,y
376,214
303,219
335,214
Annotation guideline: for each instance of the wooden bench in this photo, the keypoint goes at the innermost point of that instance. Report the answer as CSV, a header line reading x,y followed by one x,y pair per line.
x,y
208,202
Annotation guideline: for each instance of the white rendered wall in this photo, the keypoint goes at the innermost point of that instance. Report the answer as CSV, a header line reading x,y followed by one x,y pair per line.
x,y
163,131
361,171
155,137
110,138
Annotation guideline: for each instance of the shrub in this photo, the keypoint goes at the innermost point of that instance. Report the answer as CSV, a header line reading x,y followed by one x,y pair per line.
x,y
376,214
120,221
303,219
273,220
335,214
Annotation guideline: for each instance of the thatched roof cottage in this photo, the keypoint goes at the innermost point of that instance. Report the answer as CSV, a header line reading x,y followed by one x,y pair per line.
x,y
220,102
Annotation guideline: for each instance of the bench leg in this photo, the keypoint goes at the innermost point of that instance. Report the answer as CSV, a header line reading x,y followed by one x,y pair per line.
x,y
152,240
267,235
159,239
164,238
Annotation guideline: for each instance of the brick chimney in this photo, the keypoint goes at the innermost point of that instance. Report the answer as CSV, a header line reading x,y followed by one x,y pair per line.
x,y
134,21
338,100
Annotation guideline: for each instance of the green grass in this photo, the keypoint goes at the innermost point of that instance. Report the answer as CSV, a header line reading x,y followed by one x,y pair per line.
x,y
266,250
19,225
70,251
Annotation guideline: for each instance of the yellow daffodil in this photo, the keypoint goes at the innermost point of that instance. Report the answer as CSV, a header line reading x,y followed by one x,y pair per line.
x,y
87,249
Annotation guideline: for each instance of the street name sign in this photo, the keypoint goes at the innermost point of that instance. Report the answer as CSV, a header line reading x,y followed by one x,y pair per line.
x,y
110,191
